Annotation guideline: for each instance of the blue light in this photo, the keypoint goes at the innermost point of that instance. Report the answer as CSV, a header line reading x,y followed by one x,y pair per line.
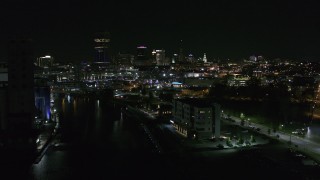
x,y
48,114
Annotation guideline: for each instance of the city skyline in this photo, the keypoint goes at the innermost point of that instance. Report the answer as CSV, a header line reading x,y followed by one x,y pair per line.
x,y
223,30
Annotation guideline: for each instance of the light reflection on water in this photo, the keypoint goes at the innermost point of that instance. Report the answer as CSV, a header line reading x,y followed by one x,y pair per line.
x,y
88,125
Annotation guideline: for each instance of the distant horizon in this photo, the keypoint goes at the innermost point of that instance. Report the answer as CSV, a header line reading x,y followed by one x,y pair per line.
x,y
59,56
226,29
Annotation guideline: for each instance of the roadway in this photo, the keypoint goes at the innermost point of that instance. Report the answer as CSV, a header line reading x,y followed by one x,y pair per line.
x,y
304,145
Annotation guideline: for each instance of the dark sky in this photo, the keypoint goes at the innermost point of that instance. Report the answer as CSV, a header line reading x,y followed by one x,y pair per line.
x,y
222,29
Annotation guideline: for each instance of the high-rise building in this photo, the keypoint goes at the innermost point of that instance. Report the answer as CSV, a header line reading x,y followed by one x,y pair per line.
x,y
142,58
175,58
181,55
46,61
21,96
160,57
190,58
260,58
102,47
21,83
125,59
253,58
3,95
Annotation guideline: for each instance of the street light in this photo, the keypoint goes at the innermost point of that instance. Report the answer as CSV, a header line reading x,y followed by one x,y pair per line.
x,y
290,138
281,126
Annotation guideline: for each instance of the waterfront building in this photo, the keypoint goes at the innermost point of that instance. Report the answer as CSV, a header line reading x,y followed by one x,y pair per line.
x,y
197,118
42,99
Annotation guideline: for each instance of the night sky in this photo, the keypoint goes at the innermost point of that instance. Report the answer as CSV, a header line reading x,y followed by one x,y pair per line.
x,y
222,29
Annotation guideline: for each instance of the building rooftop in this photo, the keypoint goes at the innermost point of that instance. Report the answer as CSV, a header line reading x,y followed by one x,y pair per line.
x,y
197,102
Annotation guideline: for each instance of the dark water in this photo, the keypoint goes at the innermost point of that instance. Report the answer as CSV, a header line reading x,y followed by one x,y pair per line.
x,y
99,142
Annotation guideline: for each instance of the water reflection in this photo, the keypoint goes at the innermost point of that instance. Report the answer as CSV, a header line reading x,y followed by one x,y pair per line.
x,y
74,107
92,129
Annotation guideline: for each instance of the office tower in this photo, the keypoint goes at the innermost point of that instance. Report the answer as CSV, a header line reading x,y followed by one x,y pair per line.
x,y
3,95
253,58
174,58
160,56
46,61
260,58
125,59
102,47
21,135
190,58
154,58
142,58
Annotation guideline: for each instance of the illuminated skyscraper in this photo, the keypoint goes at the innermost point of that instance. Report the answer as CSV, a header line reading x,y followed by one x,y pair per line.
x,y
174,58
204,58
160,57
45,61
190,58
102,47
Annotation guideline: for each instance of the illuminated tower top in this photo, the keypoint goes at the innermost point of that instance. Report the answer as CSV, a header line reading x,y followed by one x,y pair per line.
x,y
204,58
102,45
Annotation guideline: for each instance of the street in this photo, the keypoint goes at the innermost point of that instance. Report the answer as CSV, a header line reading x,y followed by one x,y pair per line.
x,y
305,145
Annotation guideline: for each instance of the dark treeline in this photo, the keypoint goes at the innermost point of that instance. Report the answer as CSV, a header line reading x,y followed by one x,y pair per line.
x,y
274,103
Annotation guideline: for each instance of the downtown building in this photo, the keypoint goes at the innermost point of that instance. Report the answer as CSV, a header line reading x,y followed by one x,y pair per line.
x,y
45,61
159,57
142,58
102,47
20,135
196,118
3,95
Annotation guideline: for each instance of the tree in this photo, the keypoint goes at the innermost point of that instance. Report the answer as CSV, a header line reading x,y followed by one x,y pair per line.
x,y
240,141
252,139
242,122
220,146
218,91
228,142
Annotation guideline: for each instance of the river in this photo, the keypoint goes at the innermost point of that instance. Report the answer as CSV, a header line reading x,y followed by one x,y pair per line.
x,y
97,142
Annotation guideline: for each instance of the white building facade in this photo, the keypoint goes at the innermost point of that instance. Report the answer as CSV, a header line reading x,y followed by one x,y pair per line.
x,y
196,118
